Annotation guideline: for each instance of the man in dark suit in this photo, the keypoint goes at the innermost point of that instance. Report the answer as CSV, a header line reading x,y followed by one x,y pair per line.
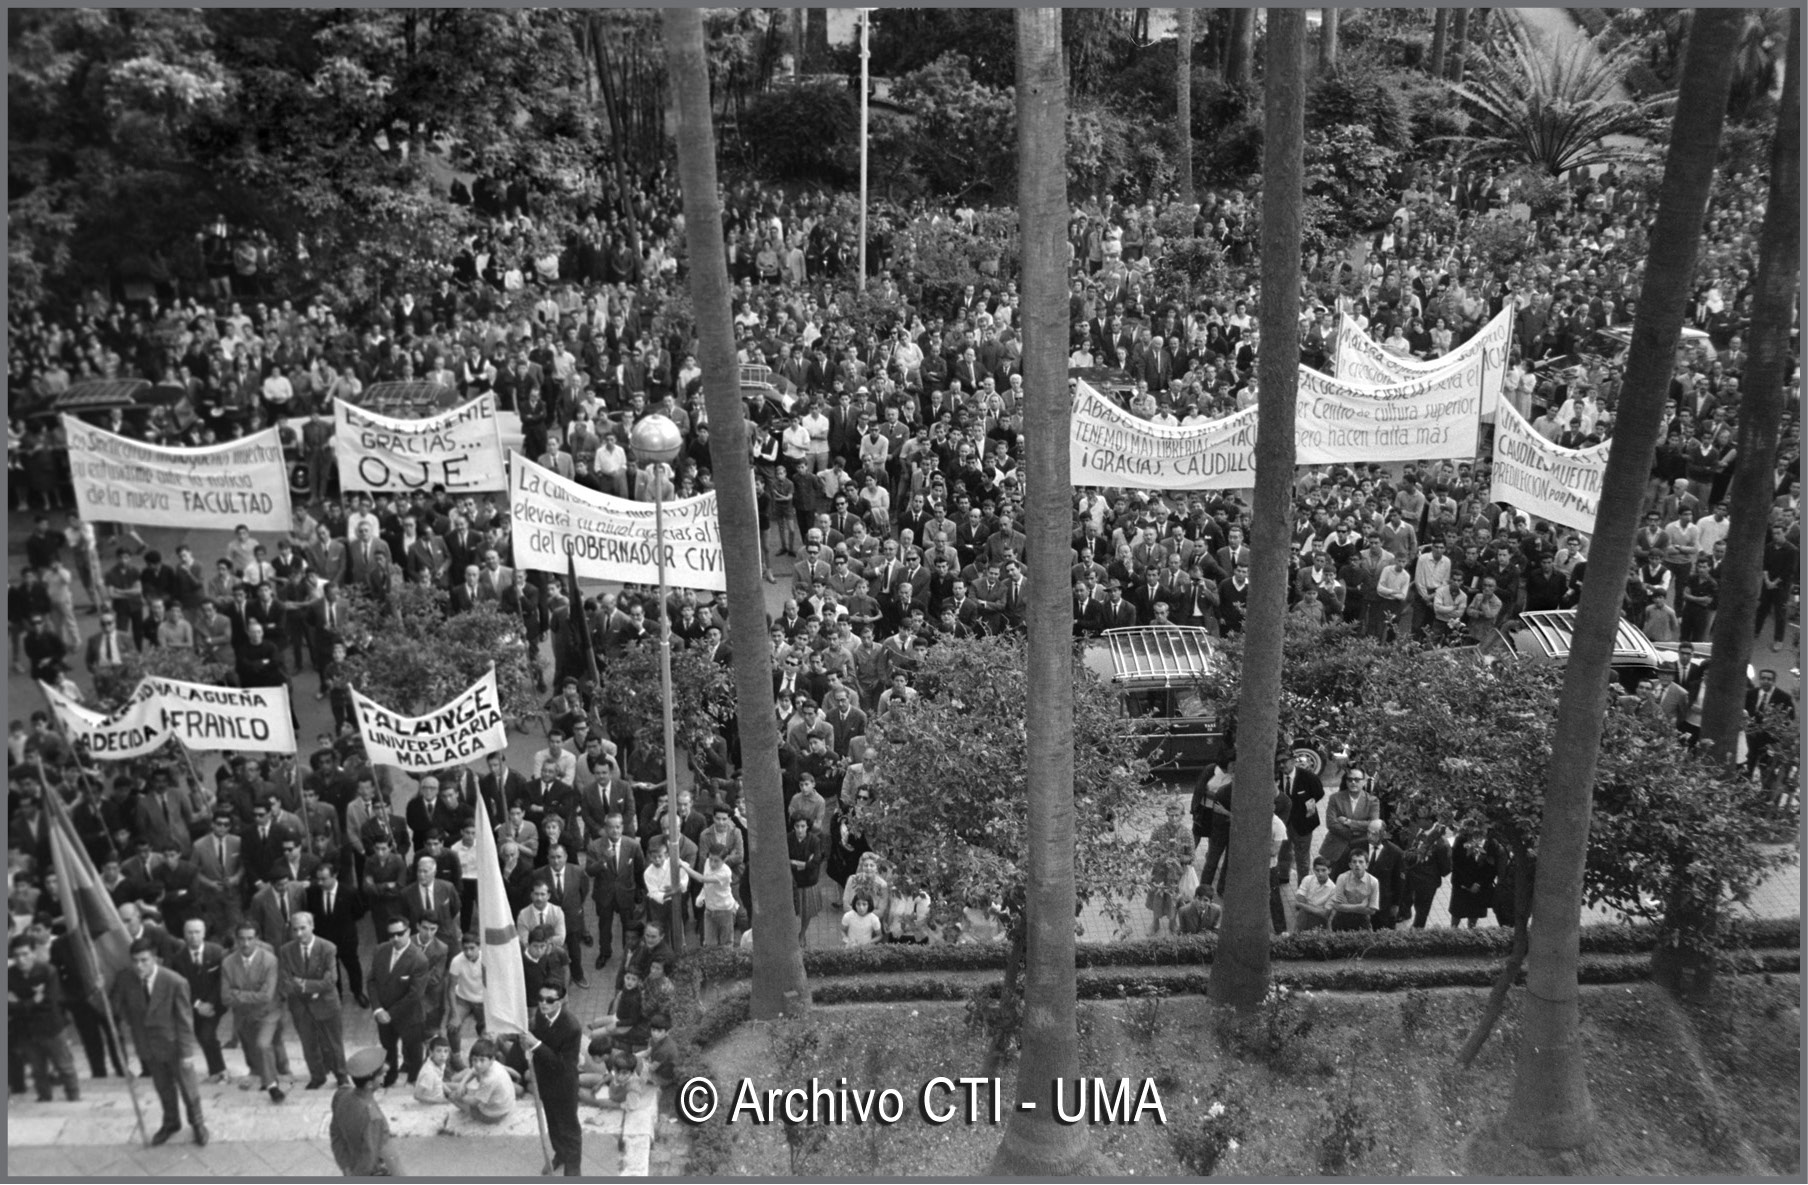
x,y
199,964
398,983
1116,612
368,561
325,623
501,786
309,981
614,864
553,1041
155,1005
1766,697
429,896
568,889
336,909
1305,793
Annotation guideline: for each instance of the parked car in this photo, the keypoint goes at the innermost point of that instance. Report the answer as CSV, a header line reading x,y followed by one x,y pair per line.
x,y
1544,636
1160,672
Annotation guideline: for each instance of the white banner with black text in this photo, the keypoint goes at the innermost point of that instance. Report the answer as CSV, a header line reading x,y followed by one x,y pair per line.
x,y
215,488
1539,477
460,449
201,716
470,726
611,538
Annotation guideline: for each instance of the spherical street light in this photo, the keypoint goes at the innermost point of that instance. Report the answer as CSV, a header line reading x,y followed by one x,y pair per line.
x,y
656,440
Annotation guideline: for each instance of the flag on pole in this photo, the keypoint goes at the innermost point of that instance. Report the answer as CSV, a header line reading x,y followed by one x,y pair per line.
x,y
505,980
579,622
97,935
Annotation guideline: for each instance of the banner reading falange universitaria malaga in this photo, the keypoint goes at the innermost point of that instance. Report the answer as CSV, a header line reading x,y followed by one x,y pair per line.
x,y
1540,478
460,449
467,727
213,488
201,716
1362,359
1335,423
611,538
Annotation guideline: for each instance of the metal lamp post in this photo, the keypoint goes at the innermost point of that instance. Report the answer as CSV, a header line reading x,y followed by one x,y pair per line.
x,y
657,442
866,24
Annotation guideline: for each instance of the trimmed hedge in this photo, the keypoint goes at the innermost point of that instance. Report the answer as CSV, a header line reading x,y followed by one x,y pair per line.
x,y
720,965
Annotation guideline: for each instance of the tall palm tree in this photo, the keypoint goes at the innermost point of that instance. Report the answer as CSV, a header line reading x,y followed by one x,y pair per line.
x,y
1183,101
1240,967
1440,42
779,986
1760,415
1551,1106
1035,1143
1327,39
1553,108
1240,54
1459,43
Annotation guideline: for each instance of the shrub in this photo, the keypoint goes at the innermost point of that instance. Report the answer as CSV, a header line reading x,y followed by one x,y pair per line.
x,y
1142,1011
1414,1008
1219,1132
803,133
1347,1136
1273,1034
1357,94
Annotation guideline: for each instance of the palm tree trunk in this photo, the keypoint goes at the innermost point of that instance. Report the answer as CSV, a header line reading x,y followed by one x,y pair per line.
x,y
1239,61
816,38
1035,1143
617,134
1687,968
1551,1106
1760,415
1440,42
1240,967
1183,102
779,986
1459,43
1327,39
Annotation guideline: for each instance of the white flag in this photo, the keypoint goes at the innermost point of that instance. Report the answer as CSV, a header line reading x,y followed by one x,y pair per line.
x,y
505,981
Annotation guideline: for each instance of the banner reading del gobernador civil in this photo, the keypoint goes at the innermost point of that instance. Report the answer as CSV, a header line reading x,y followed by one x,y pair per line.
x,y
201,716
1362,359
460,449
213,488
453,734
1538,477
611,538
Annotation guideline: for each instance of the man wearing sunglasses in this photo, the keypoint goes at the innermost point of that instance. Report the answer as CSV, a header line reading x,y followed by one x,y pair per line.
x,y
553,1039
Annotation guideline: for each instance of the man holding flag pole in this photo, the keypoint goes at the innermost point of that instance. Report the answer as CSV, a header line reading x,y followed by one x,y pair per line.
x,y
505,1002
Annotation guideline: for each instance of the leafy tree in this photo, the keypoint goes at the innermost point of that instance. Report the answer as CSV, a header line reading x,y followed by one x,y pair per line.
x,y
803,133
632,706
1365,96
958,125
1347,168
952,787
409,656
1240,973
1551,1106
1554,110
113,687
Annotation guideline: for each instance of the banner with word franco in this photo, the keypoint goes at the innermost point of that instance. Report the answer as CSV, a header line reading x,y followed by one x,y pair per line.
x,y
201,716
213,488
1535,475
470,726
1361,359
611,538
460,449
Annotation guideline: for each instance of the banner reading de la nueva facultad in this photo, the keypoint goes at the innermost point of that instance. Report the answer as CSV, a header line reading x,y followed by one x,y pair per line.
x,y
1538,477
453,734
214,488
611,538
1335,422
460,449
201,716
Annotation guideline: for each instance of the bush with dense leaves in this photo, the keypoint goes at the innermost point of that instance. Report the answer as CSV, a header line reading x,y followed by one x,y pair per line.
x,y
804,133
1358,95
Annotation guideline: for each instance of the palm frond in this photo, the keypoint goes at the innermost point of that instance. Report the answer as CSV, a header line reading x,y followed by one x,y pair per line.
x,y
1554,108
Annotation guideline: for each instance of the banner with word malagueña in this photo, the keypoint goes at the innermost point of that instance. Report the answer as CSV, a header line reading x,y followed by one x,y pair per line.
x,y
611,538
469,726
460,449
213,488
201,716
1538,477
1362,359
1335,422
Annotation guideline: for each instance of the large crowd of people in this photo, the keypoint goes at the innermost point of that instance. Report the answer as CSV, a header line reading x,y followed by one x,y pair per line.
x,y
887,454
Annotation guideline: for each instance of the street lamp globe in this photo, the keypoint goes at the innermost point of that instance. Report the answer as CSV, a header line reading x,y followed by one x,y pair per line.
x,y
656,440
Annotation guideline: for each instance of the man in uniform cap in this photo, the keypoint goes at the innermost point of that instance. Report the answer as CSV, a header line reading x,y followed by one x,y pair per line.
x,y
360,1133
